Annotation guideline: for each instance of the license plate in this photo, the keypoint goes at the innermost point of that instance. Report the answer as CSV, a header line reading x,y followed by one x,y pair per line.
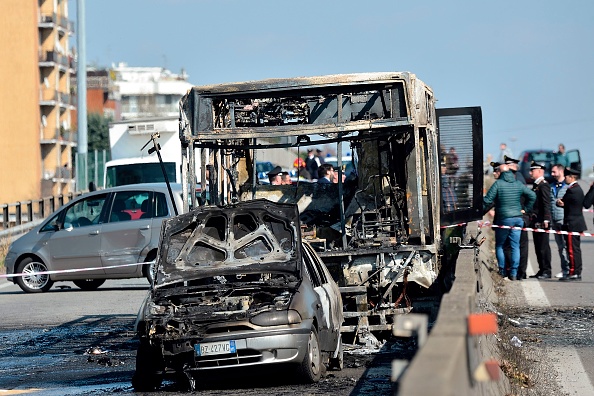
x,y
215,348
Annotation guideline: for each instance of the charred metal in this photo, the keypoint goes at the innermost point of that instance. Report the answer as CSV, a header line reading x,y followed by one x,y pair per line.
x,y
380,231
236,286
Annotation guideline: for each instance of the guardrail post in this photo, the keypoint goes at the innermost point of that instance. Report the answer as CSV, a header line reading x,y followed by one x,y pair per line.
x,y
52,203
29,211
5,220
18,214
41,203
60,200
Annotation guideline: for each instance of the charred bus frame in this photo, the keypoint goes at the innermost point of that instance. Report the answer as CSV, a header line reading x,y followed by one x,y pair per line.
x,y
386,224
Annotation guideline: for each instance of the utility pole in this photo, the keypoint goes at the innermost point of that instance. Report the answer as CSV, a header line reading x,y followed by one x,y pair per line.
x,y
81,87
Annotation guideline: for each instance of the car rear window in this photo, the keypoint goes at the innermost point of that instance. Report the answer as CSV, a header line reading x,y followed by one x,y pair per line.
x,y
545,156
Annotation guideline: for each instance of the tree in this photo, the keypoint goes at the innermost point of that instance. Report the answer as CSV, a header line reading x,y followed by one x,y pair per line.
x,y
97,132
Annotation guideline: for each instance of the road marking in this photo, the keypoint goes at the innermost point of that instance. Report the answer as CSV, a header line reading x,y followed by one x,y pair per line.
x,y
573,377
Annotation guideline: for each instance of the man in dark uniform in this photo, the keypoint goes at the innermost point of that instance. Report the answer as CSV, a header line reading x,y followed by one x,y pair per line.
x,y
541,218
512,163
573,221
312,164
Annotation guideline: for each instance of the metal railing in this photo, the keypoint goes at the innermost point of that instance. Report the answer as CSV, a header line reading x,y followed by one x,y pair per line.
x,y
25,215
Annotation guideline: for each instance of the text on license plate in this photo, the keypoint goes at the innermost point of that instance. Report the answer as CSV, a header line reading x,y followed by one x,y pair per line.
x,y
215,348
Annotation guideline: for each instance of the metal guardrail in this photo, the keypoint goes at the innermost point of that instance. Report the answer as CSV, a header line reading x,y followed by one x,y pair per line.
x,y
18,218
450,360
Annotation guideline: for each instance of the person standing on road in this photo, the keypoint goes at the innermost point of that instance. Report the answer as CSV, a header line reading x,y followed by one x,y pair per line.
x,y
558,189
562,156
541,218
512,163
506,193
504,152
573,221
311,164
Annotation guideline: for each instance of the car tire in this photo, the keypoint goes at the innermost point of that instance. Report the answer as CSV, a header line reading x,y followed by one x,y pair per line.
x,y
146,378
34,283
311,369
89,284
147,270
337,363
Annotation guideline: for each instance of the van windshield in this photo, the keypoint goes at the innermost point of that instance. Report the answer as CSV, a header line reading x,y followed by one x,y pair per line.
x,y
121,175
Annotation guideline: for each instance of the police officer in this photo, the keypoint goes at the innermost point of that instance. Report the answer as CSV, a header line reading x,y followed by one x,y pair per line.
x,y
573,221
541,218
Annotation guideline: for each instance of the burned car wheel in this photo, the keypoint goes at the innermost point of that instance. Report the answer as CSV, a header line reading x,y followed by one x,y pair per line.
x,y
337,363
146,377
32,283
311,368
89,284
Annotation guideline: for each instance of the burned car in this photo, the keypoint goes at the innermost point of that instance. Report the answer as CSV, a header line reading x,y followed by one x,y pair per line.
x,y
235,286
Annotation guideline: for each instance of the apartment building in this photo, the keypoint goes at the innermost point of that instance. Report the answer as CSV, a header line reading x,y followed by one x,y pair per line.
x,y
35,100
147,92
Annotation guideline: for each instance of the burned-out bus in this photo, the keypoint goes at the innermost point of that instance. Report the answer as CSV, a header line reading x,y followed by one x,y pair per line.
x,y
382,229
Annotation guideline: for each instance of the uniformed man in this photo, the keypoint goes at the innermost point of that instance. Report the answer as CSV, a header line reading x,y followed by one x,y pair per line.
x,y
541,218
573,221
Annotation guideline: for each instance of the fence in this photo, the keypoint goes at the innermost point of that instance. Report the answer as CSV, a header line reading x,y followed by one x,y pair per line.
x,y
89,168
19,217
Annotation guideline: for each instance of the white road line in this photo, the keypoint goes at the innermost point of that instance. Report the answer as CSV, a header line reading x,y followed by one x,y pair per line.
x,y
572,374
573,377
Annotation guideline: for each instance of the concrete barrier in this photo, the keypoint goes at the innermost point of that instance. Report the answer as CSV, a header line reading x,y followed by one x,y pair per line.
x,y
447,362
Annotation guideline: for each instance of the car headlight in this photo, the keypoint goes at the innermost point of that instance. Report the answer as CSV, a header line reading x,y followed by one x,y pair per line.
x,y
155,309
276,318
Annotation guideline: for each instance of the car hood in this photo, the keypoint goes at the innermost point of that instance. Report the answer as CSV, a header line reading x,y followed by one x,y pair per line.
x,y
249,237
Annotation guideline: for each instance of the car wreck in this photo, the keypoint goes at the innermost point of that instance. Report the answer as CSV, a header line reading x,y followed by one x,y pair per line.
x,y
235,286
393,227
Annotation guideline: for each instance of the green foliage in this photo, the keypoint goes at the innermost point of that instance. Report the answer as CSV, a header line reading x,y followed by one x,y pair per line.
x,y
98,132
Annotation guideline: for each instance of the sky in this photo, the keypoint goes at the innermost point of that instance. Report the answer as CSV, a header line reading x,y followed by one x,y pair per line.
x,y
527,63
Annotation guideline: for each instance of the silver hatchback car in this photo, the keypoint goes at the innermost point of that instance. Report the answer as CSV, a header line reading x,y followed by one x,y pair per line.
x,y
101,235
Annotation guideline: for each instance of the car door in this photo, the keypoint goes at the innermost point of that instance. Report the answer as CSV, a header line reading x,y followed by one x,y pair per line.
x,y
332,292
461,129
127,232
574,159
320,283
77,244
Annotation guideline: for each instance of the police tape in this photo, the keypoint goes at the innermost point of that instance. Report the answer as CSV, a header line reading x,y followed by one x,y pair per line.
x,y
66,271
548,231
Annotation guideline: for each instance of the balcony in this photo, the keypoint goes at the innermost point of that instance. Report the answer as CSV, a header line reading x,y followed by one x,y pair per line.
x,y
52,97
53,135
53,58
49,21
55,174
